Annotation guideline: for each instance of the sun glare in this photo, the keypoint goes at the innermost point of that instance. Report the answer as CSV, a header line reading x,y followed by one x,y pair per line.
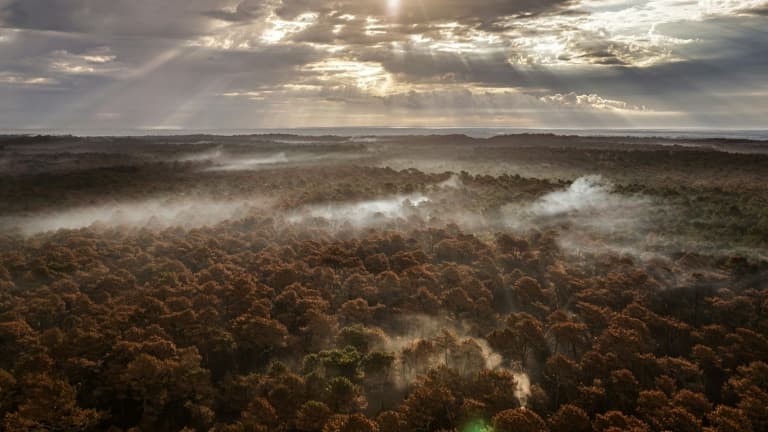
x,y
393,6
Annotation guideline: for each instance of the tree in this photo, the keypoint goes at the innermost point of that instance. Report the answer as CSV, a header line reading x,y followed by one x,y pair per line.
x,y
523,334
362,338
618,421
652,406
563,375
257,337
622,390
344,396
259,415
356,311
518,420
377,366
570,418
319,329
350,423
390,421
457,301
569,335
18,337
729,419
467,357
749,386
527,291
47,403
417,357
312,416
377,263
429,409
341,362
693,402
492,389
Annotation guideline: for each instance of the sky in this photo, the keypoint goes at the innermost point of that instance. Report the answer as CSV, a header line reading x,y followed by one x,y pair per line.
x,y
219,64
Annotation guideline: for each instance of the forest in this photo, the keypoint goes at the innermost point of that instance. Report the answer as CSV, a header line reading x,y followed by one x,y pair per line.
x,y
288,283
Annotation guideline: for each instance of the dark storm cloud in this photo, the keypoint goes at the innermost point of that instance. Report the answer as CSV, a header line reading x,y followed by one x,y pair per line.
x,y
166,18
246,10
419,65
761,10
729,59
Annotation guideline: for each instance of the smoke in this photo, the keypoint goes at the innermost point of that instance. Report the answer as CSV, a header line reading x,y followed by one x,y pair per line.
x,y
589,216
208,155
230,163
156,213
585,194
491,359
364,139
522,387
454,182
244,162
589,202
363,213
450,344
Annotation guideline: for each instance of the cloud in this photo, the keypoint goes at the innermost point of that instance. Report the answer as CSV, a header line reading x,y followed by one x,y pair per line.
x,y
98,60
733,7
146,63
634,50
573,100
147,18
371,89
427,11
370,23
245,10
7,78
